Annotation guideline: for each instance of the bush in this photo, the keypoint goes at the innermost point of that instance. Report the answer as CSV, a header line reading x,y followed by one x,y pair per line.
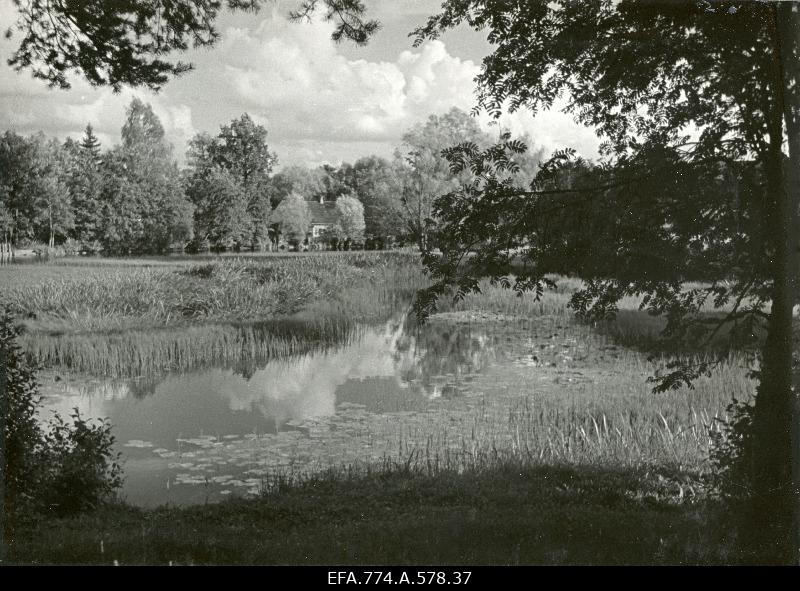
x,y
22,435
60,468
81,471
71,247
731,452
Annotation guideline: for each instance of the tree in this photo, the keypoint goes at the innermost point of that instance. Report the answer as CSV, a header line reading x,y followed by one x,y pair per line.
x,y
143,140
6,228
241,148
351,218
297,179
123,206
17,171
84,182
259,210
220,214
722,198
129,43
426,173
337,180
53,205
378,186
293,218
144,204
90,143
33,189
234,168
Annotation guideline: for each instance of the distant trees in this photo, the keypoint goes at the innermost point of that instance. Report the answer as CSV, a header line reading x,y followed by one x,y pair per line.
x,y
308,182
228,182
33,188
378,185
144,205
396,196
425,173
370,183
129,199
133,199
337,180
293,218
351,219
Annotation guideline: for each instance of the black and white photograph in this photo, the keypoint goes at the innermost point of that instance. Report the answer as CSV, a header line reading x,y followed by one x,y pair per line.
x,y
400,291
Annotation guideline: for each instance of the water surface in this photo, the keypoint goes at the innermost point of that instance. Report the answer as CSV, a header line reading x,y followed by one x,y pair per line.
x,y
203,435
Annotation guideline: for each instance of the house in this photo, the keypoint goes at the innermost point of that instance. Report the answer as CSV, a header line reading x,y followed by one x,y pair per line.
x,y
324,215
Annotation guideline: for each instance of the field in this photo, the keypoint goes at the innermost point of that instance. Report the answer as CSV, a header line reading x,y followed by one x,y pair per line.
x,y
565,456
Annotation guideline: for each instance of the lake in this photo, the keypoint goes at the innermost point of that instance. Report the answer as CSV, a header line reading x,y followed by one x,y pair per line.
x,y
216,432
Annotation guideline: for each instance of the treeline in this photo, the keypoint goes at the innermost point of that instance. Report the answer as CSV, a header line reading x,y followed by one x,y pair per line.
x,y
126,199
133,198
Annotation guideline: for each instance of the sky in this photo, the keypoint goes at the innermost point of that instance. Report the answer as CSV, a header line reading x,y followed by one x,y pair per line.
x,y
321,102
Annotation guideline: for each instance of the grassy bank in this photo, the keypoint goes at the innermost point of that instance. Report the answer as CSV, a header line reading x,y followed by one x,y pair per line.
x,y
509,514
141,317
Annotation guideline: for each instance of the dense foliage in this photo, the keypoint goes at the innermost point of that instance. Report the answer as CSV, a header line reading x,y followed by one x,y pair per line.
x,y
130,43
227,181
293,218
699,179
59,468
133,199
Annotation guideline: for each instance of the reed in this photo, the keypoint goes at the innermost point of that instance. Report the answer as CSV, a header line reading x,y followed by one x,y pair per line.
x,y
497,300
130,319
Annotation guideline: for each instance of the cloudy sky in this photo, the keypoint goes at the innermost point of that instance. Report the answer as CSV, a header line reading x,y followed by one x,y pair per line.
x,y
319,101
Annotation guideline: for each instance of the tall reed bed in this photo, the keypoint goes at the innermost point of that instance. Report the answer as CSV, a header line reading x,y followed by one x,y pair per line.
x,y
613,422
149,353
109,298
135,320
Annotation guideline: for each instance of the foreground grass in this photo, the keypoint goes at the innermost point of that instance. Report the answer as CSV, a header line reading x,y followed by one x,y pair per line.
x,y
508,514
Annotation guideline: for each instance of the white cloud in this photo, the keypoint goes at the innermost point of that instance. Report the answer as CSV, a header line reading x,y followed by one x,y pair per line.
x,y
317,104
28,106
552,129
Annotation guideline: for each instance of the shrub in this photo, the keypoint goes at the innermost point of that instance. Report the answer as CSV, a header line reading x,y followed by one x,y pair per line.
x,y
730,452
22,435
81,471
60,468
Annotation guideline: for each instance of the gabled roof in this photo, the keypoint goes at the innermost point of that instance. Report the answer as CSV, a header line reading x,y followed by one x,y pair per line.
x,y
323,213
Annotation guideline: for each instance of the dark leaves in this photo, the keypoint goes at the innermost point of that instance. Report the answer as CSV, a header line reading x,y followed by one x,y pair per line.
x,y
128,43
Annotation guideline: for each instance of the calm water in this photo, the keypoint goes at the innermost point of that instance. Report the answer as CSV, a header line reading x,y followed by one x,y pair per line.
x,y
212,433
